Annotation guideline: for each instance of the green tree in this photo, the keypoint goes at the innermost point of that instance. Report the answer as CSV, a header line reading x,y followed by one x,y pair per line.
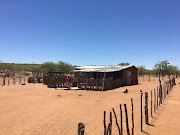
x,y
155,71
141,70
49,67
64,67
172,70
36,69
124,64
162,66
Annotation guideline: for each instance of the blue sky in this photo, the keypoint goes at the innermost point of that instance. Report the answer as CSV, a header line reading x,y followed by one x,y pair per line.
x,y
90,32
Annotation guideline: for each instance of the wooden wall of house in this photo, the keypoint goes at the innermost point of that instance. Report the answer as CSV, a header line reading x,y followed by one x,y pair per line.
x,y
134,75
54,79
94,80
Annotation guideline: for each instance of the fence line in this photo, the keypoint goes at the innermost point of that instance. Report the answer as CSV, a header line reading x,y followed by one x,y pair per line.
x,y
159,96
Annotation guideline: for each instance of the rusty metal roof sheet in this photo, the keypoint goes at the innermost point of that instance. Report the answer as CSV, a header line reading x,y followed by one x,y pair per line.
x,y
100,68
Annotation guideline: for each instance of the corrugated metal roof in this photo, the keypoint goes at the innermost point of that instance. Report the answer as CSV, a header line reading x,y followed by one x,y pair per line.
x,y
100,68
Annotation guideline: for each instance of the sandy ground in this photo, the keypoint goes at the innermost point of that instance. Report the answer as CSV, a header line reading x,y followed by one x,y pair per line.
x,y
35,109
166,120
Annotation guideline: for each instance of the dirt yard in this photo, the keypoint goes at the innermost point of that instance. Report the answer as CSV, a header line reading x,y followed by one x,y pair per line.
x,y
35,109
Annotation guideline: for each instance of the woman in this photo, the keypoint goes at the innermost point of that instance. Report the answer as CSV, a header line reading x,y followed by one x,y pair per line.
x,y
68,80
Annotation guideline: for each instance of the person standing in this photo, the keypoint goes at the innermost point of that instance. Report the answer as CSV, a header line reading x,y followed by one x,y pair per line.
x,y
68,80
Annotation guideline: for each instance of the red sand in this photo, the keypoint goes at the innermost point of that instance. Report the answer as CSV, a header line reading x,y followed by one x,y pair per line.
x,y
35,109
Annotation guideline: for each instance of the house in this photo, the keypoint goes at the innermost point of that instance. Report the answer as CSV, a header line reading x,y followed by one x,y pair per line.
x,y
105,77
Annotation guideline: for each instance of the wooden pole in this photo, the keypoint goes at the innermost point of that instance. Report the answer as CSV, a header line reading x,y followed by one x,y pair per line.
x,y
104,77
14,80
104,122
151,105
8,80
146,108
132,116
127,124
154,100
20,80
157,97
161,92
141,113
121,120
81,128
110,130
116,121
4,81
149,78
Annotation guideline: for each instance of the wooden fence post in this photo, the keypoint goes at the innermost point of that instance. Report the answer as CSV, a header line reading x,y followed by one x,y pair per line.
x,y
160,93
116,121
8,80
127,124
4,81
121,120
19,79
81,128
149,78
151,105
154,100
141,113
132,116
104,122
14,80
167,87
157,97
110,130
146,108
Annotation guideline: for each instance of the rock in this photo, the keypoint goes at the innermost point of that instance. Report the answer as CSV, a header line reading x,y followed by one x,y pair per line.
x,y
79,94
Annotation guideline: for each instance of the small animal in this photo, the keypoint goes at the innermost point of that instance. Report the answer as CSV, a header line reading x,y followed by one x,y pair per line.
x,y
126,91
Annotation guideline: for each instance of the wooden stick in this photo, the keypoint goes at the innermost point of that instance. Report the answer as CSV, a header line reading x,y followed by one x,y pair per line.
x,y
151,105
154,100
116,121
127,124
8,80
4,81
149,78
141,114
121,120
110,130
104,122
157,97
146,108
132,116
81,128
